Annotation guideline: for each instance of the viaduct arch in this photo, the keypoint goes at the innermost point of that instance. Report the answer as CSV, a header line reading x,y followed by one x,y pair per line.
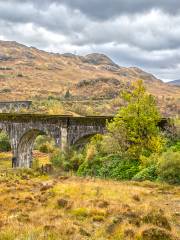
x,y
23,129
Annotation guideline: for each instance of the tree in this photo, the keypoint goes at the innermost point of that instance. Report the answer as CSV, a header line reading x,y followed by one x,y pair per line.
x,y
67,94
134,130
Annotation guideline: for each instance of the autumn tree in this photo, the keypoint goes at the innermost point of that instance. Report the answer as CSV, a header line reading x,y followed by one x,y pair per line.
x,y
134,130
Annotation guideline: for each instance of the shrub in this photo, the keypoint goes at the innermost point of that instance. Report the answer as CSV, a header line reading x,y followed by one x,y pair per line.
x,y
120,169
111,166
57,158
90,168
4,142
168,167
44,148
148,173
175,147
44,144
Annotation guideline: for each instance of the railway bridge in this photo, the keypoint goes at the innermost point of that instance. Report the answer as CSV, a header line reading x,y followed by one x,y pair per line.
x,y
66,130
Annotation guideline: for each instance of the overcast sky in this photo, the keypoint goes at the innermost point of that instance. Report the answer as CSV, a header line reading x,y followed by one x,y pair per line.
x,y
142,33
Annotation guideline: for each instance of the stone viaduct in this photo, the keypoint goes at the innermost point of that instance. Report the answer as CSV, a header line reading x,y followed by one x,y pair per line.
x,y
23,129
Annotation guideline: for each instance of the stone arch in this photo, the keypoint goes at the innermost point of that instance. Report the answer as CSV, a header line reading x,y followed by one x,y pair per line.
x,y
25,147
82,141
84,131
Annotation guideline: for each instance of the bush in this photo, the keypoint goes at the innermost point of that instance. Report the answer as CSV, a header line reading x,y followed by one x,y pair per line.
x,y
69,161
175,147
4,142
57,158
44,144
111,166
90,168
168,167
148,173
120,169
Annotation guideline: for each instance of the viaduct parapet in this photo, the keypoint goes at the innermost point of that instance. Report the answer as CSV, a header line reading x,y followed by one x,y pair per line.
x,y
23,129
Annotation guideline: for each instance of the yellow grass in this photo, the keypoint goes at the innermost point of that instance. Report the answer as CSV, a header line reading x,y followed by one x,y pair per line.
x,y
37,207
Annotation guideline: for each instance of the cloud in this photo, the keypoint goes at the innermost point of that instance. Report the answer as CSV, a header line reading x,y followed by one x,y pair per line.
x,y
138,33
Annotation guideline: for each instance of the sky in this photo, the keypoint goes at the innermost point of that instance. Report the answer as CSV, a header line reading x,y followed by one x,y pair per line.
x,y
139,33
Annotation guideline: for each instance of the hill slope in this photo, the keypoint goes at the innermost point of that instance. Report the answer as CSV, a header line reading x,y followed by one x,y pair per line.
x,y
26,72
175,82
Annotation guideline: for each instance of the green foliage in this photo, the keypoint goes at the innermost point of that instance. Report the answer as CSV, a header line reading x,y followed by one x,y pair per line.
x,y
168,167
4,142
119,169
111,166
135,127
67,94
175,147
66,161
49,106
44,144
148,173
57,158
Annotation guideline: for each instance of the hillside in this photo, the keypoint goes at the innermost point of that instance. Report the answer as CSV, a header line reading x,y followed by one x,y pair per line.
x,y
28,73
175,82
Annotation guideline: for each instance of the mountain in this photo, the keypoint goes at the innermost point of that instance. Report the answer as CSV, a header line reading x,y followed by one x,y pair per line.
x,y
175,82
27,73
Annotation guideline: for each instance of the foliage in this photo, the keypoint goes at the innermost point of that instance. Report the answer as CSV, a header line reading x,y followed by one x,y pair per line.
x,y
111,166
135,127
4,142
148,173
66,161
168,167
44,144
67,94
49,106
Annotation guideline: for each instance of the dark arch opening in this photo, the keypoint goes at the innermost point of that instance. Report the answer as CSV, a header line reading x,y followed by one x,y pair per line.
x,y
25,153
81,142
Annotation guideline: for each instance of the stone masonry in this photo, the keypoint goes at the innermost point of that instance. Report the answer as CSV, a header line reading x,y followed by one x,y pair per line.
x,y
23,129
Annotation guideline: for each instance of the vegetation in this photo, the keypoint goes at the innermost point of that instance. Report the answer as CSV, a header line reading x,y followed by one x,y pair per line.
x,y
67,207
49,205
4,142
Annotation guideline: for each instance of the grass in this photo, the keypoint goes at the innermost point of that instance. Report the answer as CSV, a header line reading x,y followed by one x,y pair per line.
x,y
35,206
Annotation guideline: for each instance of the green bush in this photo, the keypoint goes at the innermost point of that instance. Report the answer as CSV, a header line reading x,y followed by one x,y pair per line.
x,y
4,142
90,168
43,148
148,173
57,158
69,161
175,147
120,169
44,144
168,168
111,166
